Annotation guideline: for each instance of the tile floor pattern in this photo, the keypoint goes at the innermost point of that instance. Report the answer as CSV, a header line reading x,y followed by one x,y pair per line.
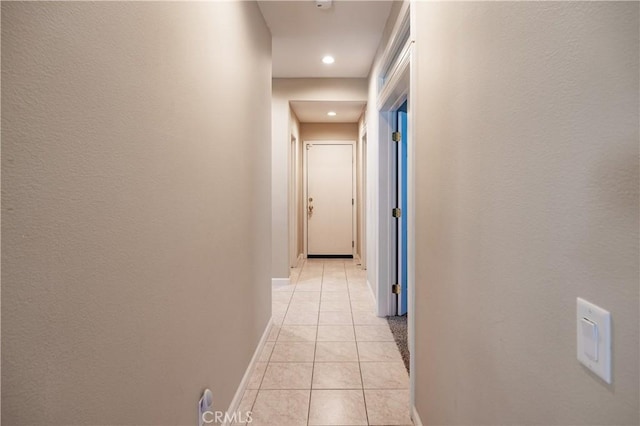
x,y
328,360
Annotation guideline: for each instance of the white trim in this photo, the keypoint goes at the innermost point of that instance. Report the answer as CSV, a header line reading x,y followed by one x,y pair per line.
x,y
400,27
280,282
237,398
415,416
385,204
396,80
301,258
362,220
395,93
292,200
354,199
363,124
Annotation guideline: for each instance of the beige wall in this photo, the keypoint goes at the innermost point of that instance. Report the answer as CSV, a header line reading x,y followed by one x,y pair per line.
x,y
527,197
295,191
329,131
284,91
133,196
321,89
280,140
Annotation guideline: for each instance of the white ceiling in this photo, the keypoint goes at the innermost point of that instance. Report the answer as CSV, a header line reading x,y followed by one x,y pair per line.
x,y
316,111
302,34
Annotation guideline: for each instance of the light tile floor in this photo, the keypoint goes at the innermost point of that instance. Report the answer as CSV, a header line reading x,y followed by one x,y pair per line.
x,y
328,360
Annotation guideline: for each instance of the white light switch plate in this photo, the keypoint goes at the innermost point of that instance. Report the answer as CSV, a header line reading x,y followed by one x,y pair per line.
x,y
601,366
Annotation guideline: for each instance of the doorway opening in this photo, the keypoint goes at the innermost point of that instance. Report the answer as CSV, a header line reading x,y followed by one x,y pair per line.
x,y
400,212
396,243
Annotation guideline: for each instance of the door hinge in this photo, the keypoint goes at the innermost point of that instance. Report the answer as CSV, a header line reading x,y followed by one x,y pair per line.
x,y
395,289
352,244
352,202
396,212
396,136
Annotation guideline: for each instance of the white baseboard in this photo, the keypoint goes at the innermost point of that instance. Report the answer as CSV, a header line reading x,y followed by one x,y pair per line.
x,y
280,282
237,398
415,417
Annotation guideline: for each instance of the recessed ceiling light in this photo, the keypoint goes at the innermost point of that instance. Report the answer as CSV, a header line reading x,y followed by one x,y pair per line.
x,y
331,113
328,60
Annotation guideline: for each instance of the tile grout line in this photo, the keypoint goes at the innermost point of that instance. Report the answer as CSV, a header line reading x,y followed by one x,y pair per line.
x,y
315,349
364,399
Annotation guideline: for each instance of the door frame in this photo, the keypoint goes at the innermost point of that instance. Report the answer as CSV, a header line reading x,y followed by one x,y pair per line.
x,y
394,94
362,219
293,202
305,197
399,193
400,86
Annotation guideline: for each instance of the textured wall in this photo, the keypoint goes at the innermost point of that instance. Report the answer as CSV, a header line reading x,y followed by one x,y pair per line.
x,y
134,198
527,197
329,131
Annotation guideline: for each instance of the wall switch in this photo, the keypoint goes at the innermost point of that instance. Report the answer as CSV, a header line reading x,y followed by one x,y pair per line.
x,y
590,339
594,338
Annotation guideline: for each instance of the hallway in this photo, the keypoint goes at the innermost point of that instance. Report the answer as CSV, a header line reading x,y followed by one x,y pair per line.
x,y
328,359
155,197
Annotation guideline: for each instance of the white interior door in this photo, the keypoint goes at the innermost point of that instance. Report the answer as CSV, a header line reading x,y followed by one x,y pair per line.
x,y
329,199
